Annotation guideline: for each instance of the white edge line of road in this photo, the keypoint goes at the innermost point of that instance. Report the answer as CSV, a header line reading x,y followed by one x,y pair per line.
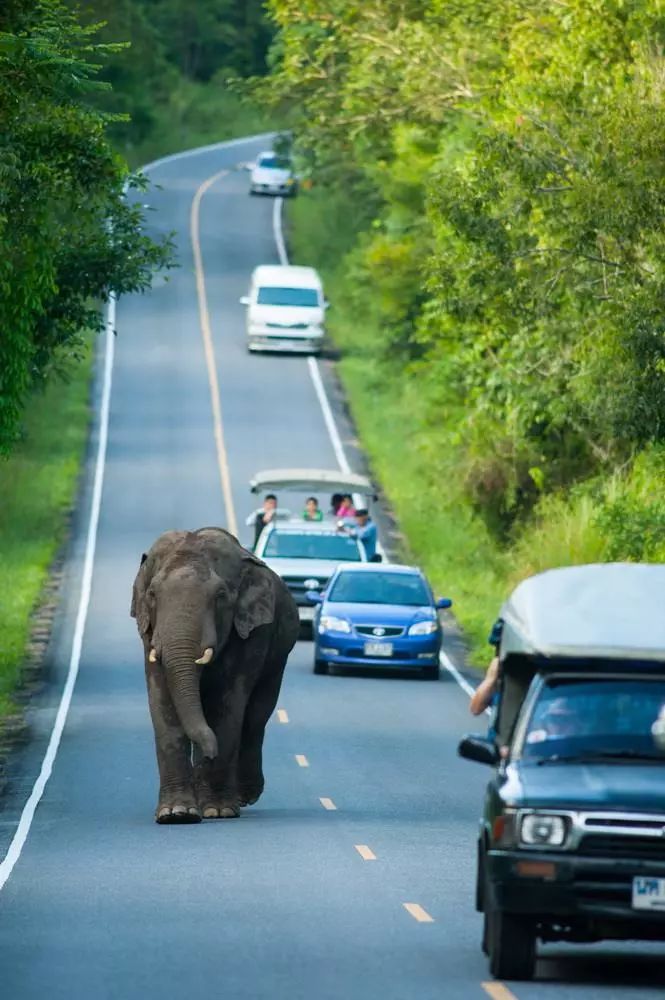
x,y
27,815
312,363
329,419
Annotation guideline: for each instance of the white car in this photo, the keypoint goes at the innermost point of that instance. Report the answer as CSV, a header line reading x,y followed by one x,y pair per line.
x,y
285,309
305,555
272,174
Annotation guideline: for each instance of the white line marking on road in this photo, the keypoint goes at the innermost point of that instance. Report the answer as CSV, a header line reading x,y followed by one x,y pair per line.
x,y
331,426
448,665
209,351
328,804
27,816
278,231
312,363
301,760
498,991
282,715
335,439
417,912
365,852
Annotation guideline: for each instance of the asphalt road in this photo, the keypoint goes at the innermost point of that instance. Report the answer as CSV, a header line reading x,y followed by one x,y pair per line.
x,y
281,903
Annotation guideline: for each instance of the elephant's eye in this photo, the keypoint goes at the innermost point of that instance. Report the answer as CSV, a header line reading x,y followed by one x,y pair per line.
x,y
151,595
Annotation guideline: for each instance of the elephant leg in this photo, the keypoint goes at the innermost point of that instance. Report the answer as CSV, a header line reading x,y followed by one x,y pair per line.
x,y
260,707
177,800
215,780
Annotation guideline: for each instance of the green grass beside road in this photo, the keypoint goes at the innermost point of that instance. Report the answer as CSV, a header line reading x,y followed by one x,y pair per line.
x,y
38,485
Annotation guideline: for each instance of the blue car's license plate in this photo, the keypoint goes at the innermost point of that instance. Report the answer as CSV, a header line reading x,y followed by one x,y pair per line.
x,y
378,649
648,893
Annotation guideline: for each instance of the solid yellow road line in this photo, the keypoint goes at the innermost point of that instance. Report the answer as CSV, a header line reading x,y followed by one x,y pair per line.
x,y
302,760
328,804
365,852
282,715
498,991
204,320
417,912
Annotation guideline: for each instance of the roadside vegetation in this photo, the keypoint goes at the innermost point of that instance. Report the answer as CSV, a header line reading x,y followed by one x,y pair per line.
x,y
86,89
487,210
177,80
37,484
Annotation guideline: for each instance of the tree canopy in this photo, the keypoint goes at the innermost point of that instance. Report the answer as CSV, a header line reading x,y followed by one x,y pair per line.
x,y
509,156
68,234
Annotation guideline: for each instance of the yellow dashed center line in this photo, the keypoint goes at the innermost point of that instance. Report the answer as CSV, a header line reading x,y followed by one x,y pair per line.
x,y
498,991
282,715
206,333
365,852
417,912
302,760
328,804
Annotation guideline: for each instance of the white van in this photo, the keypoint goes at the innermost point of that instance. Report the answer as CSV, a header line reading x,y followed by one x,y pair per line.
x,y
285,309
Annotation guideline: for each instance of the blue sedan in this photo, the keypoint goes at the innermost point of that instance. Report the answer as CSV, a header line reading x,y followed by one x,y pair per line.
x,y
377,615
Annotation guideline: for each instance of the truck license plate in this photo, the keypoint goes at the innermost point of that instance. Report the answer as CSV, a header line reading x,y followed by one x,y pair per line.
x,y
378,649
306,614
648,893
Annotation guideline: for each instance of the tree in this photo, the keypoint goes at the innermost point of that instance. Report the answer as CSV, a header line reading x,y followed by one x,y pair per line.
x,y
514,152
68,234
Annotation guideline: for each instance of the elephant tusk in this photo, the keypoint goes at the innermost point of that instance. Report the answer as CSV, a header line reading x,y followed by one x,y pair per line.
x,y
152,655
206,658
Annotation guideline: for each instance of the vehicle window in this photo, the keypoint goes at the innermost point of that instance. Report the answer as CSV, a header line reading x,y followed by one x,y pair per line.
x,y
273,296
604,717
310,545
272,162
380,588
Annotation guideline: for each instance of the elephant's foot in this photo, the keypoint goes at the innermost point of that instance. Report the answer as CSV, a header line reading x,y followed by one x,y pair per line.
x,y
249,794
177,807
221,809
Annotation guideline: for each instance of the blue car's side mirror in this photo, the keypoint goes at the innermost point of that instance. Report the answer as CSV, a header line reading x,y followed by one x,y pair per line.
x,y
313,597
444,602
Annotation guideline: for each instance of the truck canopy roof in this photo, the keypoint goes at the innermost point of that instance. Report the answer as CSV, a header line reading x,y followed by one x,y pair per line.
x,y
312,480
604,610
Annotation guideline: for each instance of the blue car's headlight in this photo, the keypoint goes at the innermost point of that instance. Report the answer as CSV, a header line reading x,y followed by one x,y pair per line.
x,y
329,623
428,627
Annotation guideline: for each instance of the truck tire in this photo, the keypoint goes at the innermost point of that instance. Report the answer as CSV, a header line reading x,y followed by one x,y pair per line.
x,y
511,941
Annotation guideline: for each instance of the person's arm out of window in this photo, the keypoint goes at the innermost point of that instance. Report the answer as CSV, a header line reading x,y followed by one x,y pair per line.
x,y
482,696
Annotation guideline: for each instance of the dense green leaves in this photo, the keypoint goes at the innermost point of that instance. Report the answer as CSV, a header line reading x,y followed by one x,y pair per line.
x,y
68,234
515,154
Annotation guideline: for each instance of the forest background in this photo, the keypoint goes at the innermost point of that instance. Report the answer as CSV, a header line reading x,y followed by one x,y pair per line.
x,y
486,205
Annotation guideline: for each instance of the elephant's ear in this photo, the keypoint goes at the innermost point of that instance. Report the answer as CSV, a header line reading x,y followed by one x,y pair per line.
x,y
139,608
255,604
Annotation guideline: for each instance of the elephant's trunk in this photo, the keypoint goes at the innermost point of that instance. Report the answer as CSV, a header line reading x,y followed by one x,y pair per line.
x,y
183,678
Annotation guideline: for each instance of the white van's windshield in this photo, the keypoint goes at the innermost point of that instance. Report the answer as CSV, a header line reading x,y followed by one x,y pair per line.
x,y
271,295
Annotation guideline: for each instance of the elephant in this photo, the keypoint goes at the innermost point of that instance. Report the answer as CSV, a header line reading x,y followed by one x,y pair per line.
x,y
217,627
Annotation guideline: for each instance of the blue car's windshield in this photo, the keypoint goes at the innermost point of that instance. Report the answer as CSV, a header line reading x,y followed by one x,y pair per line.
x,y
613,718
271,295
380,588
311,545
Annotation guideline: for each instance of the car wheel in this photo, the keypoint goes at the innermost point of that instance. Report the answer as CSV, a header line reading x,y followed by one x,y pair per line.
x,y
431,673
511,944
320,667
